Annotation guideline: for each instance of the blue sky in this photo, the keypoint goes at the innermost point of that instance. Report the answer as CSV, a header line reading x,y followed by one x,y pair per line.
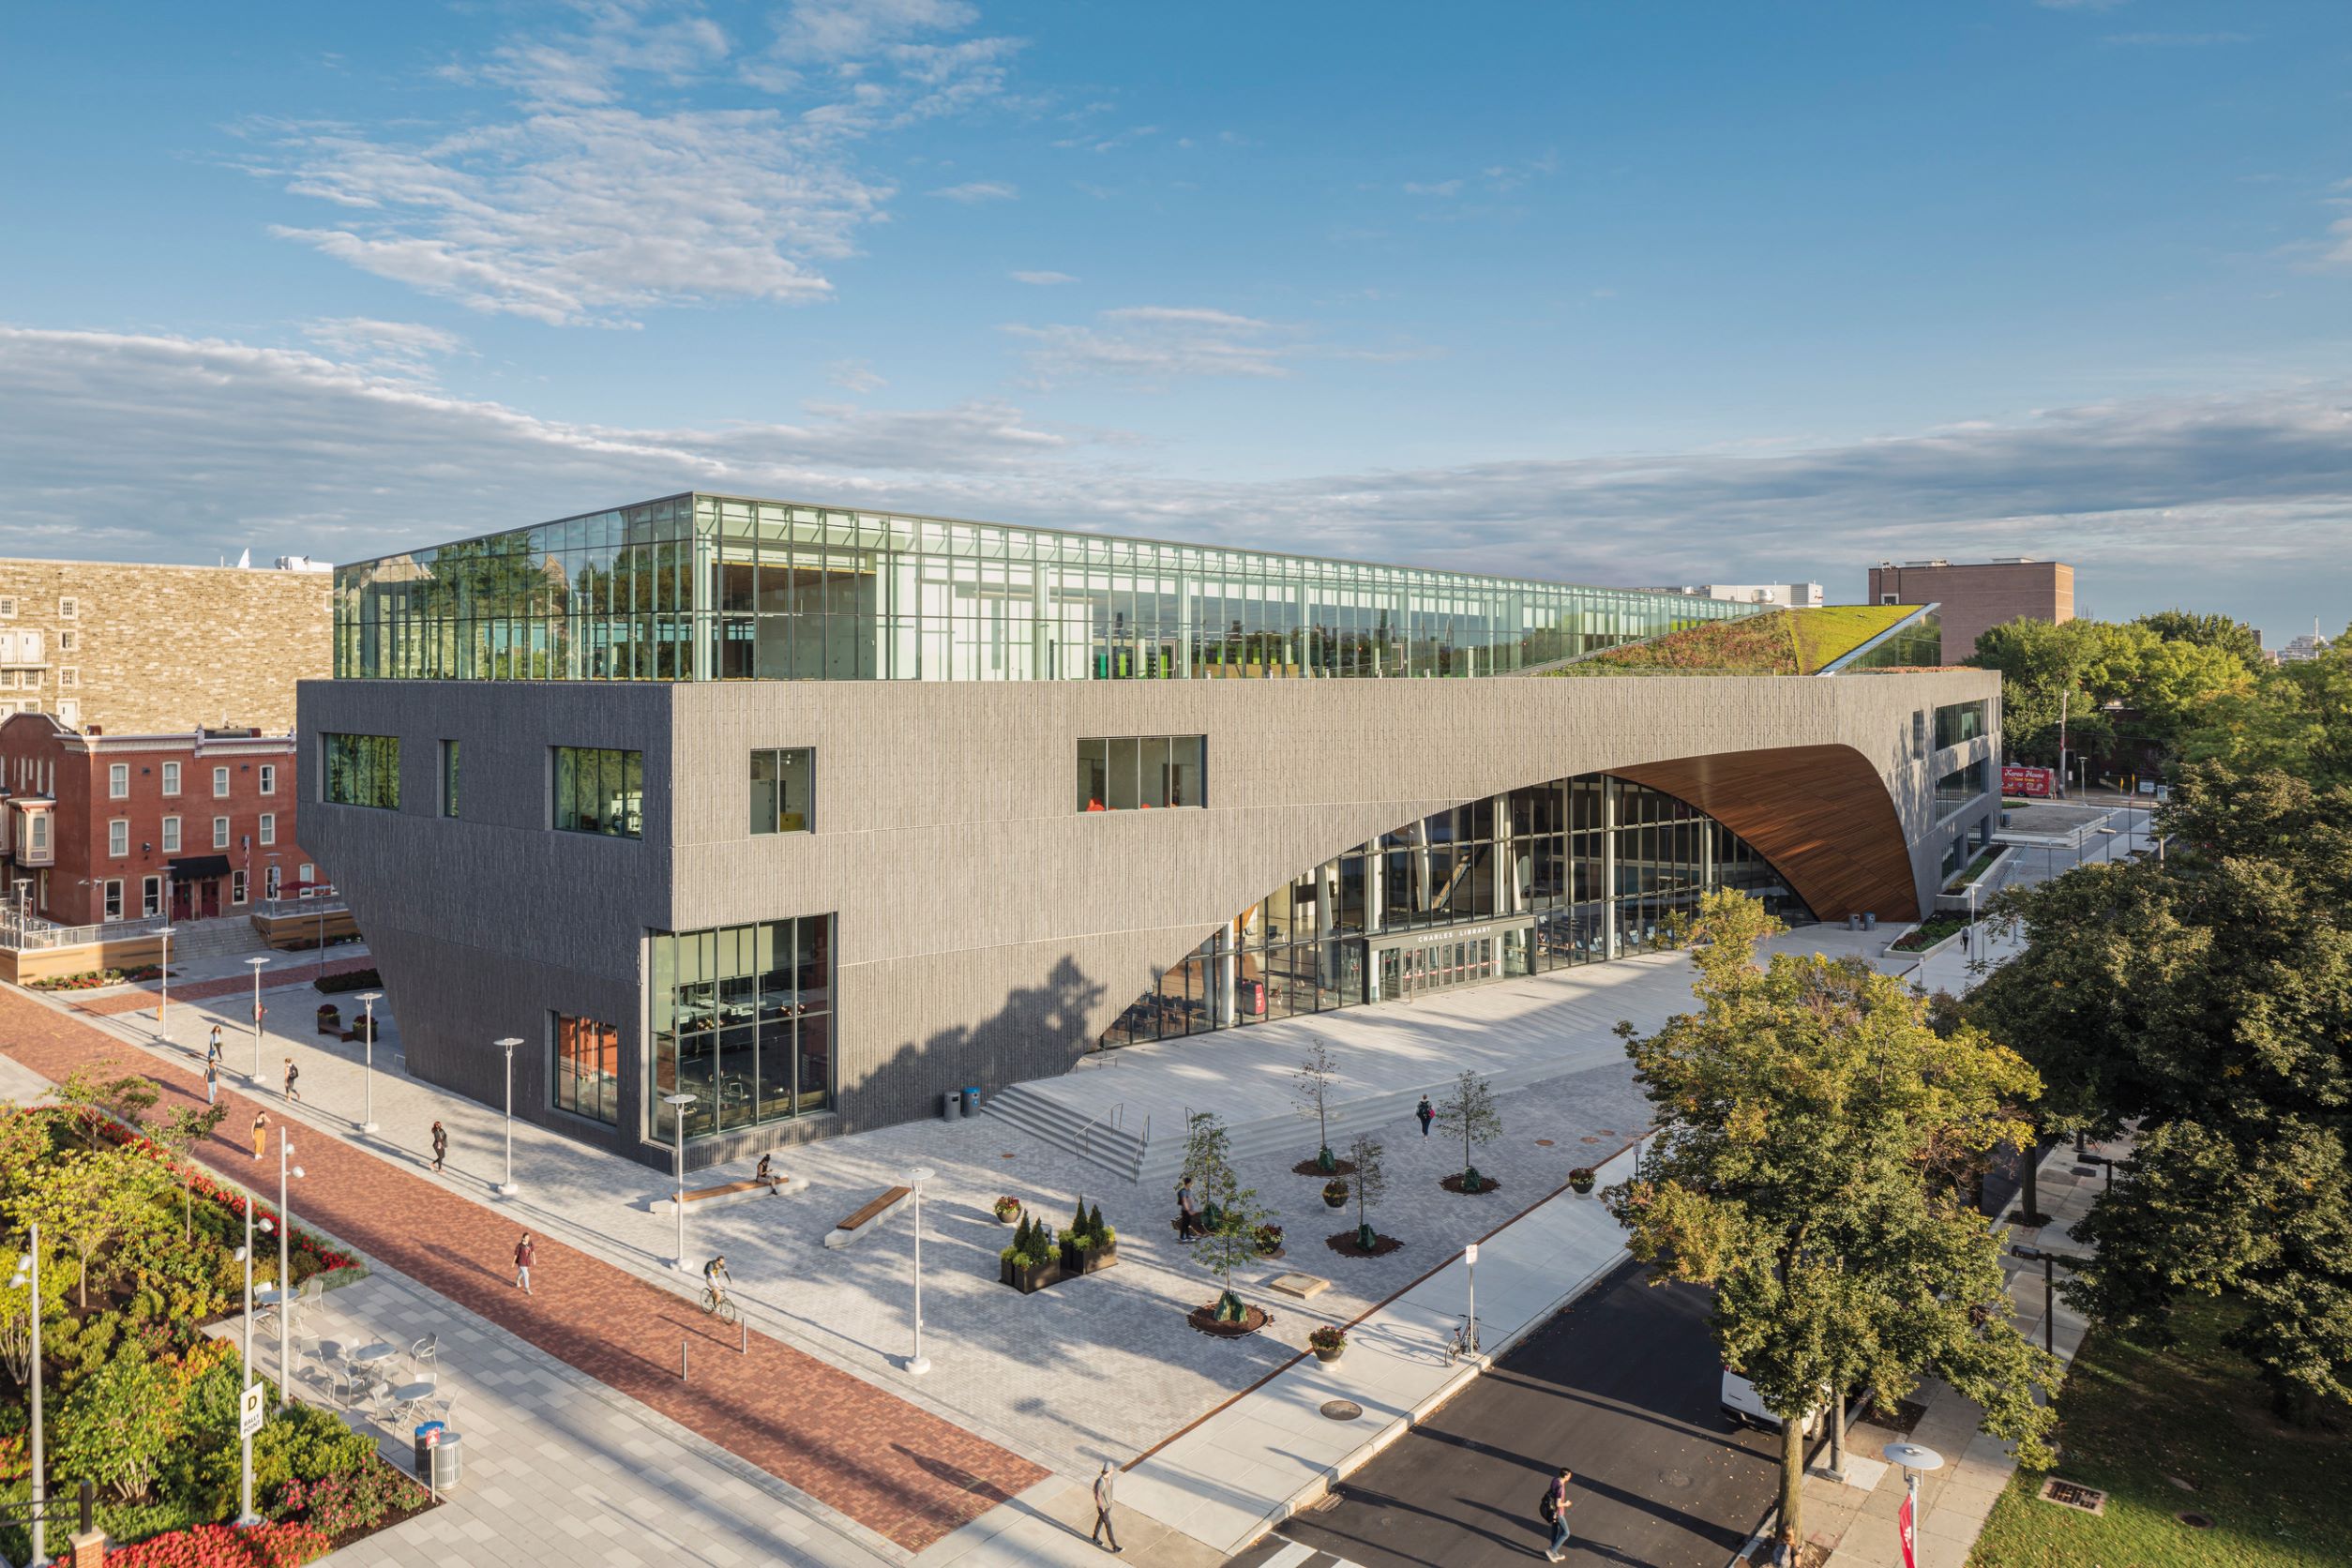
x,y
1603,292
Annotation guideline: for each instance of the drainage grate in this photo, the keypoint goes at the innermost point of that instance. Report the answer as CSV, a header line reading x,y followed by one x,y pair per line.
x,y
1342,1410
2071,1494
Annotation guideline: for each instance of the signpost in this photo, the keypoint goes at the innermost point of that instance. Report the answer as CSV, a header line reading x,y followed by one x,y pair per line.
x,y
250,1406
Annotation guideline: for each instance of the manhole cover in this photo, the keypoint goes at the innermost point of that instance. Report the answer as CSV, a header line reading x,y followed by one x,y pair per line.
x,y
1588,1139
1542,1143
2195,1521
2071,1494
1608,1132
1342,1410
1009,1154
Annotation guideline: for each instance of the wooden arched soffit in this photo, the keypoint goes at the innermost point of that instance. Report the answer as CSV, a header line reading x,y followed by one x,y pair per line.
x,y
1821,814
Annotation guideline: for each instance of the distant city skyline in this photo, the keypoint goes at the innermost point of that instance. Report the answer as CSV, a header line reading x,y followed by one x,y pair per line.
x,y
1621,296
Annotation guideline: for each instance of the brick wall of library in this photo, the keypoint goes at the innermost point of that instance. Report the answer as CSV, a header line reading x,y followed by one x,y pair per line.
x,y
143,649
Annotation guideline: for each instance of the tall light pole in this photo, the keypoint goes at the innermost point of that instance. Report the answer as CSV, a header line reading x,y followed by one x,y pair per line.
x,y
285,1272
677,1103
162,1028
918,1363
368,1035
1915,1459
246,1517
28,1269
507,1187
1470,1266
257,965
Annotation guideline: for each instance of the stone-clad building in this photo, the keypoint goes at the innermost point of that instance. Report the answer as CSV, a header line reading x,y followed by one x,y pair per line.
x,y
126,648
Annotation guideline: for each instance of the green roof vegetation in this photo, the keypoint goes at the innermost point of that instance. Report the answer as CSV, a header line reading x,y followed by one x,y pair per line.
x,y
1777,642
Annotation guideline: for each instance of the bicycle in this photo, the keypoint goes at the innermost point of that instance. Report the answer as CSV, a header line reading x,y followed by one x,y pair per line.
x,y
1463,1343
721,1306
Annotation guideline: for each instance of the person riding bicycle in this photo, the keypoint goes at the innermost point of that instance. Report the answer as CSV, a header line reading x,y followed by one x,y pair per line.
x,y
716,1277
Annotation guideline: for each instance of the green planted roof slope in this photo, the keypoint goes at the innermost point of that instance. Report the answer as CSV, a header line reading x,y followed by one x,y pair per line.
x,y
1777,642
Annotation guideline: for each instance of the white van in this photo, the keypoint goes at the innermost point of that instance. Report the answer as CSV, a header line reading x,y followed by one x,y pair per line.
x,y
1743,1407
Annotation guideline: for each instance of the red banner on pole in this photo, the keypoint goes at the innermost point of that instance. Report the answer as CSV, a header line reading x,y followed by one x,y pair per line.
x,y
1906,1533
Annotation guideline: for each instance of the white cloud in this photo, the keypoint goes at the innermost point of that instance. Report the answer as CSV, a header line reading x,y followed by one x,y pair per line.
x,y
576,201
971,192
168,448
854,375
1159,343
1043,279
406,348
1441,188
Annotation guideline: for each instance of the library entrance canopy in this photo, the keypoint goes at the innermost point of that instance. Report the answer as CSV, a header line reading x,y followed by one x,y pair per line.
x,y
706,588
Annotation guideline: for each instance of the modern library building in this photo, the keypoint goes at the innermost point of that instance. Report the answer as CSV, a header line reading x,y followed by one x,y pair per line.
x,y
815,815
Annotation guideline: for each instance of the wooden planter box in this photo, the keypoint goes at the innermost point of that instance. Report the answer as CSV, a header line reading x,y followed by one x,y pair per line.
x,y
1030,1280
1078,1261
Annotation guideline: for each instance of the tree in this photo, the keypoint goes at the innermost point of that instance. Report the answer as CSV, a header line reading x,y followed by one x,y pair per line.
x,y
2234,638
179,1133
2207,998
1469,1112
1208,1158
1316,1076
2294,718
1230,1213
2046,671
120,1425
16,1310
88,1199
1371,1184
95,1099
1815,1136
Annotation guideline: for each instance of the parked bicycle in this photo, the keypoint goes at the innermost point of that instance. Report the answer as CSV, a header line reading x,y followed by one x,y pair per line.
x,y
1462,1344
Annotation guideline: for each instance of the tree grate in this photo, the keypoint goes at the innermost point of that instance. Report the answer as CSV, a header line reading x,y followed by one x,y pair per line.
x,y
2072,1494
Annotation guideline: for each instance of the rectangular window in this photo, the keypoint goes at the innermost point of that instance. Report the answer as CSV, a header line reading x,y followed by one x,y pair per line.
x,y
449,779
170,835
1958,723
36,825
114,899
269,778
221,783
67,608
587,1068
269,828
220,832
599,791
783,790
240,887
1138,773
151,895
741,1019
361,770
308,875
119,781
118,837
1957,787
270,883
69,678
66,641
170,779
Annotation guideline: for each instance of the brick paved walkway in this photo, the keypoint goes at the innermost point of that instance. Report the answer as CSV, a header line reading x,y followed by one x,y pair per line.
x,y
144,998
892,1467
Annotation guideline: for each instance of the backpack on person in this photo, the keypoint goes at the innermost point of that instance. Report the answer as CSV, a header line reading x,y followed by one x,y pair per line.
x,y
1549,1507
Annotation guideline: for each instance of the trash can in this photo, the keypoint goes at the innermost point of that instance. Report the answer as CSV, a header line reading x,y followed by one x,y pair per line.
x,y
972,1100
1870,920
951,1106
429,1436
448,1461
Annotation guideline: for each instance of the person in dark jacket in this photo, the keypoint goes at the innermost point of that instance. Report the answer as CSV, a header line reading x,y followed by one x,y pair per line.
x,y
523,1253
1556,1506
1188,1215
1425,1114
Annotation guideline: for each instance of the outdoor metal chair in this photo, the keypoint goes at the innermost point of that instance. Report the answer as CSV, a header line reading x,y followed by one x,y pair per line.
x,y
425,1356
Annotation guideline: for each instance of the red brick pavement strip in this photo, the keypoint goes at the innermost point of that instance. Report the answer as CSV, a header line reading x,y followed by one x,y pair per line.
x,y
203,990
896,1468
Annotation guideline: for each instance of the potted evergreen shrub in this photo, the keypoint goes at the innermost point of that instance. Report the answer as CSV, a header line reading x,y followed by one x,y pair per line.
x,y
1088,1245
1581,1179
1032,1263
1328,1342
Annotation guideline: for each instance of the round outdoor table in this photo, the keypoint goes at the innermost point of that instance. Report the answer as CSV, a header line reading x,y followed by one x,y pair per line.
x,y
368,1355
408,1395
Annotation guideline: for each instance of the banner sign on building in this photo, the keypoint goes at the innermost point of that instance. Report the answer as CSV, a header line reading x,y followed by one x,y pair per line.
x,y
2039,782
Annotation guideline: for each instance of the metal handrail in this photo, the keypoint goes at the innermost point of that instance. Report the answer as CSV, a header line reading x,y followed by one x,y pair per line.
x,y
32,934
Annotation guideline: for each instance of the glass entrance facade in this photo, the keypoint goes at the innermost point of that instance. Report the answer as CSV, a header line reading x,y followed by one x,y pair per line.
x,y
741,1018
1570,872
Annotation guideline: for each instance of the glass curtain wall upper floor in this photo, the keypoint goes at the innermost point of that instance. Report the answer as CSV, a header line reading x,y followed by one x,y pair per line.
x,y
705,587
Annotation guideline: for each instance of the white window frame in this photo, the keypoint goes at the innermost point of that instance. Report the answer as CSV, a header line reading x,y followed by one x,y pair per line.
x,y
170,835
69,608
119,781
239,885
118,838
221,783
69,678
308,875
220,832
269,828
112,895
150,896
269,778
65,640
170,779
270,884
8,607
36,831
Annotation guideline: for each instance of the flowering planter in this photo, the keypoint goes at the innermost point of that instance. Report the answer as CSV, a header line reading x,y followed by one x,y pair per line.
x,y
1335,1194
1327,1356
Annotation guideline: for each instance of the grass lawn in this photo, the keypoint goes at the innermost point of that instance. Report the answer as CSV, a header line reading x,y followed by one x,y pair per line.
x,y
1836,630
2134,1419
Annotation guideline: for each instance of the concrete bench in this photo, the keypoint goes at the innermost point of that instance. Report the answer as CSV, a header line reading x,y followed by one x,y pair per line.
x,y
869,1219
732,1192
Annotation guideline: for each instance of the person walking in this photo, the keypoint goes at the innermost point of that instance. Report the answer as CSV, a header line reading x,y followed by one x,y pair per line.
x,y
1425,1114
212,1081
293,1075
523,1251
1555,1511
441,1146
212,1047
261,1133
1188,1215
1104,1484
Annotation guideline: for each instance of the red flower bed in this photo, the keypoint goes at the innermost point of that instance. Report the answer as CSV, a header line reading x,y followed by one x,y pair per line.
x,y
265,1545
301,1240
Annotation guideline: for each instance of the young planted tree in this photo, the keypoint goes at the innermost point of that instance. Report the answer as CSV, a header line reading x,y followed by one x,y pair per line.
x,y
1468,1113
1316,1076
89,1199
1371,1184
94,1099
1207,1159
1817,1139
1230,1213
180,1132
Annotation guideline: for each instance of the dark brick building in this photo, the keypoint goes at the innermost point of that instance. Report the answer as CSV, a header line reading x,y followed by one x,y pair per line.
x,y
1977,595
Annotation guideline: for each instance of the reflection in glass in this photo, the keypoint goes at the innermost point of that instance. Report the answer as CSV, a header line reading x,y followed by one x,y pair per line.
x,y
741,1018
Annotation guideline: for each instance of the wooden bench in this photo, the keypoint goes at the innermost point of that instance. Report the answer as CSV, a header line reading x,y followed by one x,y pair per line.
x,y
869,1219
733,1191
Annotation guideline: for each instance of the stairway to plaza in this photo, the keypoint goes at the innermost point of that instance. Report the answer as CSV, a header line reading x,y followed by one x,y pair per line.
x,y
1124,1110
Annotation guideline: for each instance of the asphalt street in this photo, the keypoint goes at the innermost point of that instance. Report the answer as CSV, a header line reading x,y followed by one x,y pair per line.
x,y
1623,1388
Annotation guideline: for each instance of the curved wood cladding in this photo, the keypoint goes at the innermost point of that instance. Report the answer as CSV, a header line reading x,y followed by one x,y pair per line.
x,y
1821,814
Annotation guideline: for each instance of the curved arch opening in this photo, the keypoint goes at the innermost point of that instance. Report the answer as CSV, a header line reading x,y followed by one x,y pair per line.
x,y
1545,877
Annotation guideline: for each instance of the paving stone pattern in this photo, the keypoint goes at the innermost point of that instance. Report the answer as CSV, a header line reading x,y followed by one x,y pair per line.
x,y
907,1474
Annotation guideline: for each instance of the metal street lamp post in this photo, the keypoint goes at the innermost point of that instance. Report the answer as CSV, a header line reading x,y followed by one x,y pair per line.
x,y
677,1103
367,1036
507,1187
918,1363
164,1006
246,1517
285,1271
257,965
1469,1263
1916,1460
28,1271
2049,1261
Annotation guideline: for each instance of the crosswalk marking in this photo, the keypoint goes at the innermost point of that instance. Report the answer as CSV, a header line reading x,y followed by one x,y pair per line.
x,y
1289,1557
